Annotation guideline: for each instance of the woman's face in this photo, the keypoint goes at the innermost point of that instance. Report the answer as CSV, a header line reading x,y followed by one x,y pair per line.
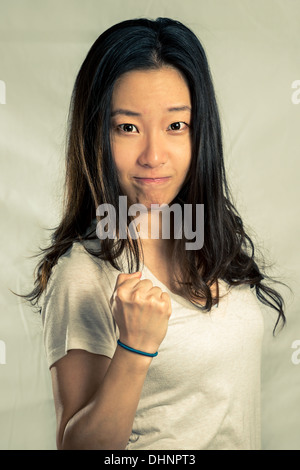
x,y
150,134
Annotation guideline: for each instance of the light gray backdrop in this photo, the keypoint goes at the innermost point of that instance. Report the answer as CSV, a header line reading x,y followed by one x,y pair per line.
x,y
254,53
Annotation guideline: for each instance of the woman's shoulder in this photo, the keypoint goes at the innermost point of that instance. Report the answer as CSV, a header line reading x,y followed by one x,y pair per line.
x,y
78,266
238,291
242,297
75,310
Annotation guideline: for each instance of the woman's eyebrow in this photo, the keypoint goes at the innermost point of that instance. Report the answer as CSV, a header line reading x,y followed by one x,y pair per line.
x,y
180,108
128,112
125,112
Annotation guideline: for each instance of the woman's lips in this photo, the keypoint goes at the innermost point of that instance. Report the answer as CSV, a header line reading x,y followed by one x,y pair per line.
x,y
160,180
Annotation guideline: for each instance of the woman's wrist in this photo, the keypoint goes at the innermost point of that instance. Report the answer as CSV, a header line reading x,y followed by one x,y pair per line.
x,y
134,362
136,351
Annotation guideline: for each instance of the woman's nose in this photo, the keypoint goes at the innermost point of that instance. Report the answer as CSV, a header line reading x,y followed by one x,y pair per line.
x,y
154,152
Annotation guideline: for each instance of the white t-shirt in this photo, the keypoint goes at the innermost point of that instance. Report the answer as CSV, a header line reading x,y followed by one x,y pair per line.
x,y
202,391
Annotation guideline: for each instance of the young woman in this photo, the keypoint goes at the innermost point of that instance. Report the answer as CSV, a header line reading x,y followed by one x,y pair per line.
x,y
151,345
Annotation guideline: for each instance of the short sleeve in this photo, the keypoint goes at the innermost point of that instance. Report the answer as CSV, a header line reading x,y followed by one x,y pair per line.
x,y
76,312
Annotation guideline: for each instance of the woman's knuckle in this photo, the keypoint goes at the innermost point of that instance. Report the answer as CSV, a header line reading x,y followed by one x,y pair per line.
x,y
119,293
136,296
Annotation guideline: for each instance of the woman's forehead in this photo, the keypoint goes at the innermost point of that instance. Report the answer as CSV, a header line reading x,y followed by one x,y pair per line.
x,y
143,89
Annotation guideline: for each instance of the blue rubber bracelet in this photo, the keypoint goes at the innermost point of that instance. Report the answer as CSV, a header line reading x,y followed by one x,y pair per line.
x,y
137,351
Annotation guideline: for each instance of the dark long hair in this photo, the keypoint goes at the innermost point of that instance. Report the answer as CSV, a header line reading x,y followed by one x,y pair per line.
x,y
91,178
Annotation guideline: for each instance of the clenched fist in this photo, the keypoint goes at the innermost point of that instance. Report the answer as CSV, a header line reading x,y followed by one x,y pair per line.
x,y
141,312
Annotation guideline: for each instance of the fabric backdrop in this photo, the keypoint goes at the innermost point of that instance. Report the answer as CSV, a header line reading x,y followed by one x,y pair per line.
x,y
254,53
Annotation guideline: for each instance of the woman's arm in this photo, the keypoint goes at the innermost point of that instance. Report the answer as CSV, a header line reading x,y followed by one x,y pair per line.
x,y
96,397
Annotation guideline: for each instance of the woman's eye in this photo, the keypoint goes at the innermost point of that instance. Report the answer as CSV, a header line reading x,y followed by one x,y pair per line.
x,y
177,126
129,128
